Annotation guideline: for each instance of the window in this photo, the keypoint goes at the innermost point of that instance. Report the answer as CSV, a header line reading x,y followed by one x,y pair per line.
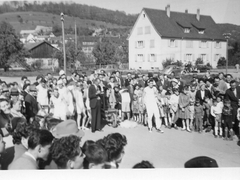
x,y
189,44
50,62
147,30
186,30
201,32
217,57
85,49
217,44
152,45
172,43
144,15
139,44
203,57
139,58
203,44
140,31
188,57
152,58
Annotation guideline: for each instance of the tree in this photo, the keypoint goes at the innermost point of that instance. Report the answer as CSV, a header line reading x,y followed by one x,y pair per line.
x,y
57,30
199,61
11,48
221,62
104,52
167,62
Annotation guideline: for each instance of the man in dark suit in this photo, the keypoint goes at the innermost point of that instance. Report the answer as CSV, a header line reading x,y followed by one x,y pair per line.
x,y
95,104
233,94
203,93
31,103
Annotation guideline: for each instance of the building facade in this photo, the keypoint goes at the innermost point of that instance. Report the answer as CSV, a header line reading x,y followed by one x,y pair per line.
x,y
159,35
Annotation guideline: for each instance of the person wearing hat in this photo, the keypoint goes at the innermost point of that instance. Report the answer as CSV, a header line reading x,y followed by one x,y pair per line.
x,y
23,80
61,72
31,103
199,113
202,93
14,93
65,132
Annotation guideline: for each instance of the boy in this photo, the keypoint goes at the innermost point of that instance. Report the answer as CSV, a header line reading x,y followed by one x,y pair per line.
x,y
198,109
227,116
216,112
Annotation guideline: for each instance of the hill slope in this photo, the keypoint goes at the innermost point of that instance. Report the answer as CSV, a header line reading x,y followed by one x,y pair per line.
x,y
233,29
29,20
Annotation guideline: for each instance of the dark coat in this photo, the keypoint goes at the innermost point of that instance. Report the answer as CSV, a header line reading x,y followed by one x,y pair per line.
x,y
198,95
230,96
92,94
31,105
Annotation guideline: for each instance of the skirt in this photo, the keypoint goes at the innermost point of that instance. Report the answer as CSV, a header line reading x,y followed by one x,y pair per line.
x,y
184,114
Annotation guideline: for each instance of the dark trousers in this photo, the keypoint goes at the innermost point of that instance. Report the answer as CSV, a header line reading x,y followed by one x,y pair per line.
x,y
96,117
199,122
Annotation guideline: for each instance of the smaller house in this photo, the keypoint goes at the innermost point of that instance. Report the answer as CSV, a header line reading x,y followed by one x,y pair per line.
x,y
26,32
42,51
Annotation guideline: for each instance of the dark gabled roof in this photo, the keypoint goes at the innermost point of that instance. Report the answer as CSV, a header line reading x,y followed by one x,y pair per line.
x,y
171,27
31,46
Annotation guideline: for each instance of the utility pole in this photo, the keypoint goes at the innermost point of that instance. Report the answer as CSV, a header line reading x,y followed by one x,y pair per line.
x,y
75,35
227,36
64,50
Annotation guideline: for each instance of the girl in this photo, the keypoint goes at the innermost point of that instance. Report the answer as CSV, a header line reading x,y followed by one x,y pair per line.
x,y
227,113
135,108
173,104
191,108
183,111
167,118
141,106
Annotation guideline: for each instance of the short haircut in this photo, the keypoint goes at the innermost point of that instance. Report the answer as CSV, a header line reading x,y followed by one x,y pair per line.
x,y
143,164
65,149
22,130
232,81
52,123
86,144
229,75
113,144
23,77
216,77
96,154
40,137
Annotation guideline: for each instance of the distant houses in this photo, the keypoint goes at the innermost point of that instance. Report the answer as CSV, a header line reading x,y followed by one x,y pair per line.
x,y
158,35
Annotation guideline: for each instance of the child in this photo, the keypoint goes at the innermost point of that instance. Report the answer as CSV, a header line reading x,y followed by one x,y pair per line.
x,y
191,109
227,118
238,117
135,108
216,112
141,106
198,110
173,104
118,100
125,103
207,108
166,109
161,107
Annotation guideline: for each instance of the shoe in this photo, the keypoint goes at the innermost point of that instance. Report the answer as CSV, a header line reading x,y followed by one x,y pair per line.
x,y
183,129
188,130
160,131
150,130
215,136
175,127
220,136
100,130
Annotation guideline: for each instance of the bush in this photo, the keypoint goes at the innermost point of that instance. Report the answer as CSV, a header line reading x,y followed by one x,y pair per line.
x,y
209,65
167,62
221,62
198,61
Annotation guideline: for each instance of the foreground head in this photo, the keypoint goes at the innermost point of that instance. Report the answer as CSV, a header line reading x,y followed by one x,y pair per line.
x,y
66,152
201,162
143,164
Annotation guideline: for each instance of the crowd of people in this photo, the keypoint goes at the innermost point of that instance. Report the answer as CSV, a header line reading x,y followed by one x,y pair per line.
x,y
47,118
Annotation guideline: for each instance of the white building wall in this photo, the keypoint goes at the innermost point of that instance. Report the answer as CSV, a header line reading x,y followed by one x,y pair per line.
x,y
163,49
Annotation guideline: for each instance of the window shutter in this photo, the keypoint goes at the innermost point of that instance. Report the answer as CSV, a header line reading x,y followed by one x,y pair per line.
x,y
155,58
215,44
135,57
169,43
220,45
136,44
148,57
143,58
193,58
200,44
143,43
185,57
176,43
207,44
206,57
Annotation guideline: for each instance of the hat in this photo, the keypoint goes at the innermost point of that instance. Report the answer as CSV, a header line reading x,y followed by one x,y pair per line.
x,y
32,88
62,72
39,77
67,128
201,162
174,80
14,92
43,80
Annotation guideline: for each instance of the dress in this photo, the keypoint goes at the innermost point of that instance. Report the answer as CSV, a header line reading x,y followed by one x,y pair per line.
x,y
184,101
135,107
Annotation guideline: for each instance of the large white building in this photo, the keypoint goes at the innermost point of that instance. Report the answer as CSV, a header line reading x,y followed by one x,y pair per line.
x,y
160,34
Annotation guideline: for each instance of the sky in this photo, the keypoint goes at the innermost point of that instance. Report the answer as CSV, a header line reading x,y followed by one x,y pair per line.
x,y
222,11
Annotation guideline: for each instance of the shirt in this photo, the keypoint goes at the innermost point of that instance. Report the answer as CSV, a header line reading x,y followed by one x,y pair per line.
x,y
216,110
28,154
150,95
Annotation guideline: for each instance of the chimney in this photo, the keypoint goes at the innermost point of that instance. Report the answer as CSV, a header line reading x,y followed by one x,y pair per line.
x,y
198,14
186,11
168,10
